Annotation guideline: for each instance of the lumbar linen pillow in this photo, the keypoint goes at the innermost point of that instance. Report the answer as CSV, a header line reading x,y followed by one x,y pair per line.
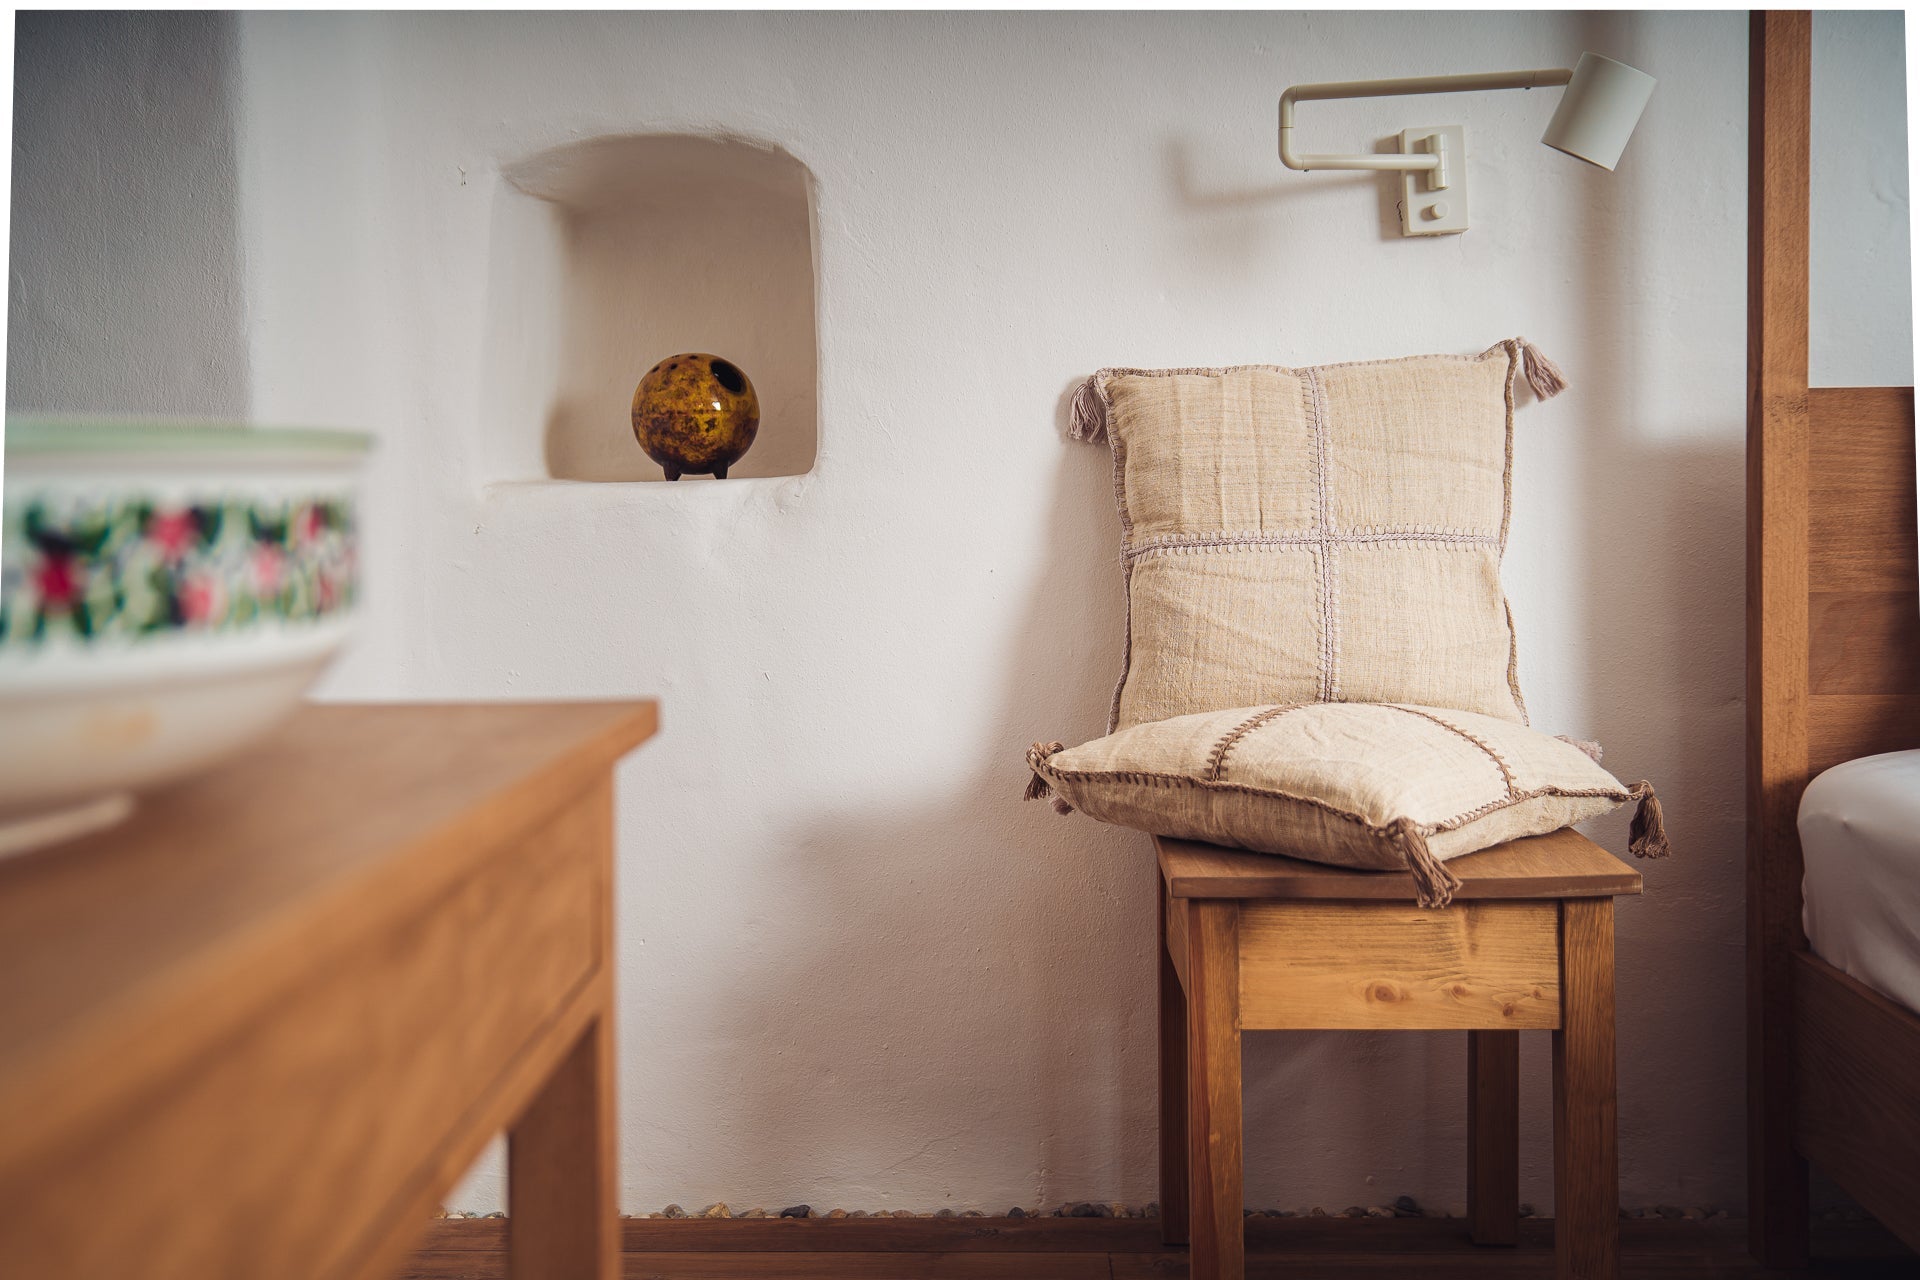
x,y
1328,534
1387,787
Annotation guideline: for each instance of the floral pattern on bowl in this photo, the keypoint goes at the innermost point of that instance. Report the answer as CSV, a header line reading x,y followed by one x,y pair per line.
x,y
129,568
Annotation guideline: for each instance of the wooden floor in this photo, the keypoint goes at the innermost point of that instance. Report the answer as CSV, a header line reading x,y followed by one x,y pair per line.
x,y
1122,1249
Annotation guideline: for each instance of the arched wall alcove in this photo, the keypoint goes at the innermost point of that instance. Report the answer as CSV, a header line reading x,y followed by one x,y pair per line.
x,y
629,249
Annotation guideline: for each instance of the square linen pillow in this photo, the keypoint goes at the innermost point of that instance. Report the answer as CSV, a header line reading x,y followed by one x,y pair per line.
x,y
1387,787
1329,534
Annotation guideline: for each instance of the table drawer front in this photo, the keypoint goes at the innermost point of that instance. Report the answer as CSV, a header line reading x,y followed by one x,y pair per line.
x,y
1378,965
282,1149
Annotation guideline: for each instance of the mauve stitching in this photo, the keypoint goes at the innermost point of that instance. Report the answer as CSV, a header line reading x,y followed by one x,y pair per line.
x,y
1187,543
1329,578
1217,758
1620,795
1506,774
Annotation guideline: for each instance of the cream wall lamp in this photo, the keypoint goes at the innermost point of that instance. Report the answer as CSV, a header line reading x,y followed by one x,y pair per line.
x,y
1595,118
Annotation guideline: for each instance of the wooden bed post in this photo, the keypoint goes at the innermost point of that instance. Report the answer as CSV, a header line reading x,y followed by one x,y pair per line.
x,y
1778,444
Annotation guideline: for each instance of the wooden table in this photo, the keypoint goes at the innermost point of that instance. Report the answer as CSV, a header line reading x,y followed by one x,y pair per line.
x,y
257,1031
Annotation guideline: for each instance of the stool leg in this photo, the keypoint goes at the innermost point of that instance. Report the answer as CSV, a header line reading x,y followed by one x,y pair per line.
x,y
1173,1091
1493,1136
1586,1166
1213,1092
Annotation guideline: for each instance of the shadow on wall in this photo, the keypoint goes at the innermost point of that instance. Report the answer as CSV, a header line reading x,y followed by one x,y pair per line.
x,y
1076,915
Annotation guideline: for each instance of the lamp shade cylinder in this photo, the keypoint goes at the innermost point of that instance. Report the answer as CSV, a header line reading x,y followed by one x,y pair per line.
x,y
1598,111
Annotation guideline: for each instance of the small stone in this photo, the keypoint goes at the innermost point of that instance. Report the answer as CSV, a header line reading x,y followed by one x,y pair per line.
x,y
1083,1210
903,1213
675,1211
1115,1210
1016,1212
945,1213
972,1213
1526,1210
1695,1215
1152,1210
1103,1211
1380,1211
1353,1211
836,1213
1668,1211
717,1211
796,1211
859,1213
1316,1212
1248,1213
924,1213
498,1213
1406,1207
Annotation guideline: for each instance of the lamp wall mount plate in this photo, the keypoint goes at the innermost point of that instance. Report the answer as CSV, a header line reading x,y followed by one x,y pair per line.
x,y
1433,202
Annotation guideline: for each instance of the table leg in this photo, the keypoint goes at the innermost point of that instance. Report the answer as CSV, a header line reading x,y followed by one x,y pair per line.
x,y
1586,1165
562,1180
1493,1136
1213,1092
1173,1091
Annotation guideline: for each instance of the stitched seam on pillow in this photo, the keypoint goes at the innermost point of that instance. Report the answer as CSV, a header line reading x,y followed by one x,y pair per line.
x,y
1506,774
1117,446
1323,526
1217,758
1512,348
1618,794
1296,371
1189,543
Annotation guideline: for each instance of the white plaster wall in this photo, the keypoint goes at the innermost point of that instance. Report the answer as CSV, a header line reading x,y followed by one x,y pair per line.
x,y
855,969
124,289
1861,331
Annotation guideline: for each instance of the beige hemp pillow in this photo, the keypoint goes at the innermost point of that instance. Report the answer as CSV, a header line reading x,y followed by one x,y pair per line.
x,y
1357,785
1330,534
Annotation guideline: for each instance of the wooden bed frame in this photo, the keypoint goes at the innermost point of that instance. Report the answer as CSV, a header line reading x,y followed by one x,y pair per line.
x,y
1833,673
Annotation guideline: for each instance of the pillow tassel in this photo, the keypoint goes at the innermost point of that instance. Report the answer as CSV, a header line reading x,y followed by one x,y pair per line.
x,y
1089,418
1647,838
1543,375
1432,881
1037,788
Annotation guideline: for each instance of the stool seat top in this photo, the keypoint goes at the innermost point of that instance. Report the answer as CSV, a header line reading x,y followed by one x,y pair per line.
x,y
1561,864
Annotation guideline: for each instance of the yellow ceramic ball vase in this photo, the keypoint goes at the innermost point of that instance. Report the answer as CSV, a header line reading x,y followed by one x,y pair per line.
x,y
695,414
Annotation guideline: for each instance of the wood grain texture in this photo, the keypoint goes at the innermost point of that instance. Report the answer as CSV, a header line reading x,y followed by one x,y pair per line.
x,y
261,1028
1560,865
1392,967
562,1169
1586,1164
1857,1091
1861,511
1778,456
1493,1136
1173,1073
1047,1247
1215,1237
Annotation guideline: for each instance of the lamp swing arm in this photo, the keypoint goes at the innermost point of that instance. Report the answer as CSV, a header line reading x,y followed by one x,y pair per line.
x,y
1473,83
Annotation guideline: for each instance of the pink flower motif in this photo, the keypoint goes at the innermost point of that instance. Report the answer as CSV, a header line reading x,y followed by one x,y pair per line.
x,y
307,525
269,570
172,532
202,598
57,579
326,592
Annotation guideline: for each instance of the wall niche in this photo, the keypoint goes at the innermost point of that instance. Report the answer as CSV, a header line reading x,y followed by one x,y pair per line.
x,y
626,250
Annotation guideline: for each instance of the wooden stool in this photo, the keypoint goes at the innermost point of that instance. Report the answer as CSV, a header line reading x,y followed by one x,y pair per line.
x,y
1251,942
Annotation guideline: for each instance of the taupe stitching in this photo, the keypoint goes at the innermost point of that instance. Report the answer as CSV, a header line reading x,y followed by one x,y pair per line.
x,y
1323,526
1217,758
1174,780
1506,774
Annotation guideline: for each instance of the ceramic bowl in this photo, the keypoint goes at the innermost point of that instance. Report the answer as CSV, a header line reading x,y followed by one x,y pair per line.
x,y
168,591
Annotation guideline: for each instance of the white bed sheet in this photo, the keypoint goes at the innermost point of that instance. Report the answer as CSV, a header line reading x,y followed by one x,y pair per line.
x,y
1860,836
